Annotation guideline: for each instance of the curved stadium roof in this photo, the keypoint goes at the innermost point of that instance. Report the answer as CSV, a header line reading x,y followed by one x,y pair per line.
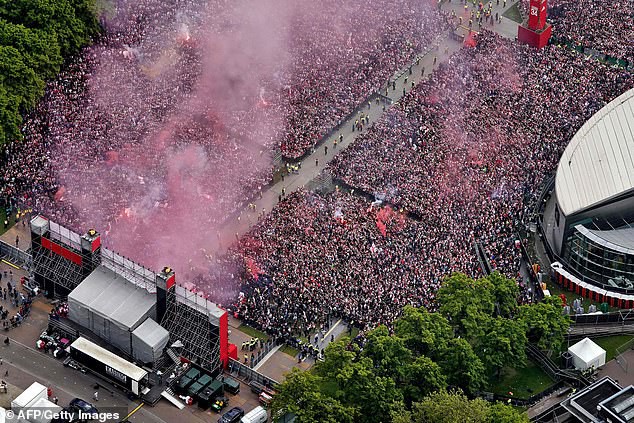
x,y
598,164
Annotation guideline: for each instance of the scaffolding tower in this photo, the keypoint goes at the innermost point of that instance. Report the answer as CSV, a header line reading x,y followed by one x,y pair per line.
x,y
62,258
196,326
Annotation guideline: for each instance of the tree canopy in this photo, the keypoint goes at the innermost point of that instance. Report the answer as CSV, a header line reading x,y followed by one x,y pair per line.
x,y
35,36
404,375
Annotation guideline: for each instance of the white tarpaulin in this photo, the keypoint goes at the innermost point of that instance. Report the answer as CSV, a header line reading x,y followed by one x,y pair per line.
x,y
148,341
587,354
110,306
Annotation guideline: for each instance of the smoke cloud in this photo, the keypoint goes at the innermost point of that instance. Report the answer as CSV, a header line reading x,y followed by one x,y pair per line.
x,y
183,102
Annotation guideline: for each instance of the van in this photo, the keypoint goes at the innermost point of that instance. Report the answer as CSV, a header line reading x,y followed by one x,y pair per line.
x,y
257,415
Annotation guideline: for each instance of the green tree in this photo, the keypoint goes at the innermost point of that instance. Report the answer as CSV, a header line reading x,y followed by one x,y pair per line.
x,y
10,119
424,333
500,413
336,356
505,294
547,325
299,394
18,79
450,407
388,353
39,48
423,377
375,397
467,303
463,367
56,16
504,344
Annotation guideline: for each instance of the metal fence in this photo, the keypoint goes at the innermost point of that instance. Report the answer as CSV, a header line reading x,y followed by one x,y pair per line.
x,y
522,402
68,331
623,317
247,374
16,256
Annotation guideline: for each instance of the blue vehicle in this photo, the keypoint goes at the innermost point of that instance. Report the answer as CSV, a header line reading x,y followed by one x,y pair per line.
x,y
232,416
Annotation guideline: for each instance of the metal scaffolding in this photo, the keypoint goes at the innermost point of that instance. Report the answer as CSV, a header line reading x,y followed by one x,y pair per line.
x,y
193,321
59,263
129,270
55,268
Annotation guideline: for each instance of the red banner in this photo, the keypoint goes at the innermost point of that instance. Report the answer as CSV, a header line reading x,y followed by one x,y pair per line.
x,y
537,14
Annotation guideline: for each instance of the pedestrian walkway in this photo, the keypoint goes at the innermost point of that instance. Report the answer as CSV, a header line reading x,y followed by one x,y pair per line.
x,y
266,357
505,27
22,231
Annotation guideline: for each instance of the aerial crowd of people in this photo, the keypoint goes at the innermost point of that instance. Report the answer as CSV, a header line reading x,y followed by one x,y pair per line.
x,y
462,155
147,121
603,27
97,147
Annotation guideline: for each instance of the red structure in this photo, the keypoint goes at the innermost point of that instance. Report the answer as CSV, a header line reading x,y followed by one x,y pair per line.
x,y
538,32
224,338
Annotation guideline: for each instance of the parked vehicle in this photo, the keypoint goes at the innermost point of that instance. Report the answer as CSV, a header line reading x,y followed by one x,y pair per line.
x,y
83,406
30,286
232,416
257,415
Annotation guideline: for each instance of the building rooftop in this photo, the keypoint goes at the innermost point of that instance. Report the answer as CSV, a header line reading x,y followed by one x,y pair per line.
x,y
598,164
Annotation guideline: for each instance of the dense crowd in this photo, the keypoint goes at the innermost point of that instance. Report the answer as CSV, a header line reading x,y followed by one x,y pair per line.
x,y
468,147
605,26
147,128
99,145
314,259
464,153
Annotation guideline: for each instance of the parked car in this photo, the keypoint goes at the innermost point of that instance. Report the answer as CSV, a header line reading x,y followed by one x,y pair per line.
x,y
84,406
257,415
232,416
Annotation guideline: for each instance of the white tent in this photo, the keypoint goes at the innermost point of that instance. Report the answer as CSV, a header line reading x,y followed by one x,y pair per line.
x,y
586,354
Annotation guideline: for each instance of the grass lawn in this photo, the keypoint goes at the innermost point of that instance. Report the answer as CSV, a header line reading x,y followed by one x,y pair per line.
x,y
611,343
289,350
513,13
523,382
253,332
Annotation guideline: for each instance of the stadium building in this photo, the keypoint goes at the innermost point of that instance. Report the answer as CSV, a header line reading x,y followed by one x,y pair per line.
x,y
589,221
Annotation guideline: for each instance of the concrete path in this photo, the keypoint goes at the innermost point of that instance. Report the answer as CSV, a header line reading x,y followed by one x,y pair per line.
x,y
266,357
507,28
20,230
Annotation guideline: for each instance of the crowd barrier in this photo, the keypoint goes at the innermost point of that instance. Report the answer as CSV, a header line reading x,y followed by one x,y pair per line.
x,y
588,51
15,256
247,374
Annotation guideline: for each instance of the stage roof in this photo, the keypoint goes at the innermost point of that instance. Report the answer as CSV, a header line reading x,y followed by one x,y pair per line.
x,y
111,296
598,164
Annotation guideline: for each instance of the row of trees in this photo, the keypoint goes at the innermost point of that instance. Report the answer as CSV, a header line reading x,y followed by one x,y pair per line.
x,y
403,376
35,37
